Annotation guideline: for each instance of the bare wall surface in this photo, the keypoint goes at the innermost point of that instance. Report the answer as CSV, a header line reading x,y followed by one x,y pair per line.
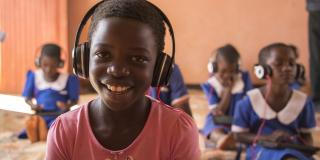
x,y
202,26
28,25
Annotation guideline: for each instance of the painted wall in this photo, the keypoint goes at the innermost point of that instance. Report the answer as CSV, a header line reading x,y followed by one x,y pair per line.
x,y
76,11
28,25
201,26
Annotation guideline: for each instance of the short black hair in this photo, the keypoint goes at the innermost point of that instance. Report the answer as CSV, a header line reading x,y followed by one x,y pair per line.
x,y
139,10
229,53
264,53
51,50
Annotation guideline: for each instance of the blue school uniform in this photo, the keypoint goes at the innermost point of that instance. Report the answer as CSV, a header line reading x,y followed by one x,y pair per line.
x,y
47,94
295,85
297,116
213,89
175,92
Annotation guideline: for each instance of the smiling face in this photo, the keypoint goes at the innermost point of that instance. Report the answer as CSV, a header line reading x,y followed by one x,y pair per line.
x,y
282,62
122,58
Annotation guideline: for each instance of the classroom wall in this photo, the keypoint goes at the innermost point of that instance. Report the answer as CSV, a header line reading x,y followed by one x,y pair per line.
x,y
76,11
201,26
28,24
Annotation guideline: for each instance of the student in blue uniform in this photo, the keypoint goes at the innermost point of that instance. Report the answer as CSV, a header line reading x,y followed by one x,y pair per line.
x,y
300,78
176,93
52,90
274,112
227,85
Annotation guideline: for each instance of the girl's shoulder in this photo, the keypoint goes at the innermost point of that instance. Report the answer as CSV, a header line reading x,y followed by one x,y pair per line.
x,y
74,116
295,106
168,116
30,74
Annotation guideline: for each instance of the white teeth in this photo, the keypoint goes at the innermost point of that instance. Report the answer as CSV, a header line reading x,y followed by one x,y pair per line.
x,y
117,88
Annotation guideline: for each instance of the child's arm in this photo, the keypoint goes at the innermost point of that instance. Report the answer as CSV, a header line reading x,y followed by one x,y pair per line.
x,y
73,93
249,138
66,106
178,91
32,105
245,137
224,103
307,138
28,91
307,122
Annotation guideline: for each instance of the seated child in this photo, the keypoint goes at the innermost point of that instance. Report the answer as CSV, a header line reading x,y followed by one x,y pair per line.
x,y
52,90
126,39
275,112
176,93
300,77
227,86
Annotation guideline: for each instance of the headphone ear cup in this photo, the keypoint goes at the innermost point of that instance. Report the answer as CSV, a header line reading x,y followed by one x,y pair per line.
x,y
214,67
300,71
262,71
37,62
162,70
210,67
238,68
80,56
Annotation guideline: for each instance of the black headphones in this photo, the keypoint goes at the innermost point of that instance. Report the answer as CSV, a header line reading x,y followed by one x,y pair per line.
x,y
37,61
81,52
263,70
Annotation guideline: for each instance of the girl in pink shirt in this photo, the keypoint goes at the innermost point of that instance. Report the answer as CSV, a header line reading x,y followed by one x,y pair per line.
x,y
122,58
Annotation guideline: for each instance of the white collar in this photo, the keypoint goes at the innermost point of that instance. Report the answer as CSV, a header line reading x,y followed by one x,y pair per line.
x,y
287,115
237,87
57,85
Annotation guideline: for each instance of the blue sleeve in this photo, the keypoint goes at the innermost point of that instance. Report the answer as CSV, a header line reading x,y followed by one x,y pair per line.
x,y
247,81
152,92
176,83
307,117
295,85
242,112
211,94
73,88
29,87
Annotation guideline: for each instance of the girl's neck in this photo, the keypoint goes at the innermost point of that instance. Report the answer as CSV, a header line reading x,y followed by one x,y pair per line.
x,y
277,95
137,112
51,78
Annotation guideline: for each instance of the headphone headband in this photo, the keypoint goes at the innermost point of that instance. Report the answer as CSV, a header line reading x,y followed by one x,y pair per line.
x,y
84,22
90,12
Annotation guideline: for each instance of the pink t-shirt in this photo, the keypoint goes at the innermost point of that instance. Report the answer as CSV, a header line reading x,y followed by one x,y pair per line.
x,y
168,134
